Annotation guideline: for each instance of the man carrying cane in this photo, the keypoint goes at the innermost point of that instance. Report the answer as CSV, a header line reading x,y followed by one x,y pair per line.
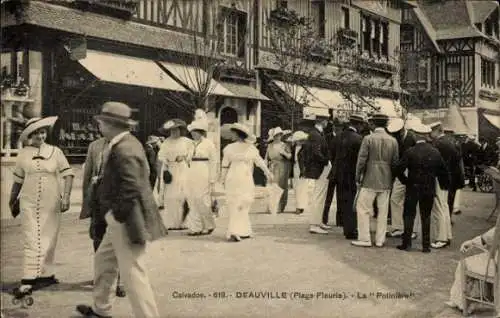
x,y
92,168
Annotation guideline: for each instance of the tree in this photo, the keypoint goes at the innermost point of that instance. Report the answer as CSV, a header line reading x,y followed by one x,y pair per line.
x,y
201,58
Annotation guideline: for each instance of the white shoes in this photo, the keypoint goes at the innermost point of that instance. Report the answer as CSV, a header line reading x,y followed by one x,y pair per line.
x,y
325,227
316,229
361,243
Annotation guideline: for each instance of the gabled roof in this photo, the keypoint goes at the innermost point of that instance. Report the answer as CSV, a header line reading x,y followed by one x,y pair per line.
x,y
481,10
453,19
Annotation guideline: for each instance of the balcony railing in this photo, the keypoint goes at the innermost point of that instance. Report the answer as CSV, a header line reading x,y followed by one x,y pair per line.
x,y
348,34
377,65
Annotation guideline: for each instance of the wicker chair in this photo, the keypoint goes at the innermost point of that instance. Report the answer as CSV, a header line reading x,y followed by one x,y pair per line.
x,y
476,286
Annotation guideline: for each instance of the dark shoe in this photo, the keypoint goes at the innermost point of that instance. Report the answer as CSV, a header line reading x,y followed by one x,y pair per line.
x,y
195,233
208,232
245,237
426,250
87,311
404,247
120,292
299,211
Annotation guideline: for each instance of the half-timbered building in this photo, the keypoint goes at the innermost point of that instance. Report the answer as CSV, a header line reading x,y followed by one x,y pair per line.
x,y
73,54
450,53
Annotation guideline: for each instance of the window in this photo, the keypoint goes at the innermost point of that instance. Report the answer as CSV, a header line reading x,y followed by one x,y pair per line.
x,y
345,17
453,71
422,71
374,37
487,73
318,15
365,34
407,34
233,32
385,39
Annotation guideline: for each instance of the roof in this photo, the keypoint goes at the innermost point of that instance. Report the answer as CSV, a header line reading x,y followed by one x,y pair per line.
x,y
62,18
482,10
453,19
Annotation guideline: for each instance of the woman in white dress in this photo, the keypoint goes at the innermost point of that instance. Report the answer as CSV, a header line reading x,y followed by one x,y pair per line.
x,y
490,240
201,180
37,175
174,156
238,161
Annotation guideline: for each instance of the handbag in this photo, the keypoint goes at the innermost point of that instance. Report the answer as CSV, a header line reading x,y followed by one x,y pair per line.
x,y
167,177
16,208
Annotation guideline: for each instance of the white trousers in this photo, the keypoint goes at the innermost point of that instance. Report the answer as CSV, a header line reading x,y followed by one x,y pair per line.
x,y
397,203
116,253
301,187
364,208
440,216
456,204
317,196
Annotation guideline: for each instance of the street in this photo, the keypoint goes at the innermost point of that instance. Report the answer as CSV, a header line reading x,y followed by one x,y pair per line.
x,y
282,272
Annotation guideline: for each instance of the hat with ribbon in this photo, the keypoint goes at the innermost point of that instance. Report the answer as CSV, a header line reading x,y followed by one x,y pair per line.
x,y
273,132
173,123
421,129
227,132
299,136
395,125
358,117
36,123
116,112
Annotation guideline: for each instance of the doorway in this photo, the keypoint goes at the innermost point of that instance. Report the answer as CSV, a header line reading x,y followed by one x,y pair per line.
x,y
228,115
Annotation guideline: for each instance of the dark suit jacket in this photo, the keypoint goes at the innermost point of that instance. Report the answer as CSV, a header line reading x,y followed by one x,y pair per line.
x,y
453,160
346,158
125,190
316,154
424,164
90,169
406,142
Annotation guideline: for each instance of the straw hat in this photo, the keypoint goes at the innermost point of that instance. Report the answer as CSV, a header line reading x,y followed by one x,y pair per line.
x,y
227,132
395,125
36,123
359,117
198,125
421,129
273,132
173,123
299,136
435,125
115,112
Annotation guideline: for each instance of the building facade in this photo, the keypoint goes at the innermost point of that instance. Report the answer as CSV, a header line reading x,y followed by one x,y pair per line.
x,y
451,53
67,57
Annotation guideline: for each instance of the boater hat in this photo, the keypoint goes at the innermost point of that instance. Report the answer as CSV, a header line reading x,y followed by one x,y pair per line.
x,y
360,118
36,123
395,125
422,129
115,112
435,125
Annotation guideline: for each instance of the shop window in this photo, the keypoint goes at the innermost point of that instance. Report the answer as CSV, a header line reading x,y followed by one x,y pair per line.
x,y
487,73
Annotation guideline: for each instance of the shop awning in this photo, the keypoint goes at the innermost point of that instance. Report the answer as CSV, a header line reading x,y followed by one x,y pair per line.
x,y
244,91
194,77
493,119
319,99
129,70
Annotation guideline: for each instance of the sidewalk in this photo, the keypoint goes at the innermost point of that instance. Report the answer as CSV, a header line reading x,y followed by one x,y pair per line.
x,y
282,259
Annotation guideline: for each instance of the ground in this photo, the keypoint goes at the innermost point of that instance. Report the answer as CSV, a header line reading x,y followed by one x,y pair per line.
x,y
282,258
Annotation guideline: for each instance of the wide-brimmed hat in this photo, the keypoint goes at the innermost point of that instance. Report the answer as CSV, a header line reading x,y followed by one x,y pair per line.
x,y
116,112
435,125
36,123
227,132
273,132
395,125
422,129
287,134
198,125
172,123
379,116
299,136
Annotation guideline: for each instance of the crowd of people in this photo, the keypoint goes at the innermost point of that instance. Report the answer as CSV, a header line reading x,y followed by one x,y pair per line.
x,y
135,193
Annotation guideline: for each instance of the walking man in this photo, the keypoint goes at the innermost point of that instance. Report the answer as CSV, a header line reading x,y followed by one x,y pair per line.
x,y
406,140
345,166
91,171
317,171
445,198
331,139
126,203
424,164
378,156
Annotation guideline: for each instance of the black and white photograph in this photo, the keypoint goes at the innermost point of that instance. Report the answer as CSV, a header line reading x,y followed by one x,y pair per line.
x,y
250,158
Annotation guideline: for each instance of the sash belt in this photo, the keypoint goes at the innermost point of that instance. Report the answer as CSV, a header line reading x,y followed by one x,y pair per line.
x,y
199,159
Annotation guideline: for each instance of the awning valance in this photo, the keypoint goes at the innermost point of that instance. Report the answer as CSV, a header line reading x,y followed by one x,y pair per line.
x,y
194,78
493,119
317,98
128,70
244,91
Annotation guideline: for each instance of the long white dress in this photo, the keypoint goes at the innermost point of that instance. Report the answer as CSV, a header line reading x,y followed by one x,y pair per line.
x,y
174,194
202,171
239,158
40,171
